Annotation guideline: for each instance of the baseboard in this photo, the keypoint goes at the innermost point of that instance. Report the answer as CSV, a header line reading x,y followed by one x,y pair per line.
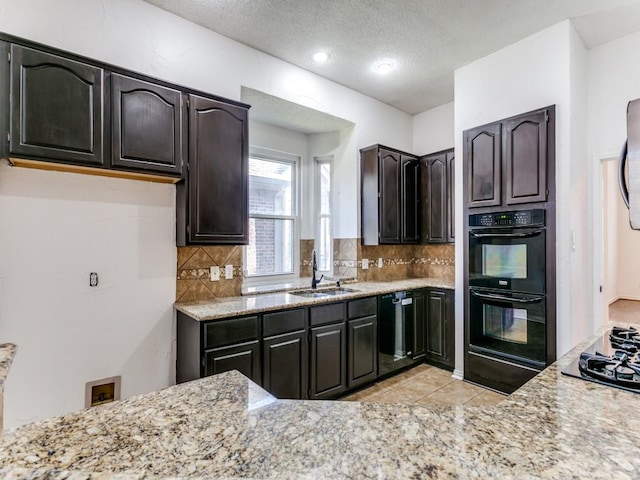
x,y
458,374
624,297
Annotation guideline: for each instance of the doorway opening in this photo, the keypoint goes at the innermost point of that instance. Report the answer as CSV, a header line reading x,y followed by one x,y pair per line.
x,y
620,272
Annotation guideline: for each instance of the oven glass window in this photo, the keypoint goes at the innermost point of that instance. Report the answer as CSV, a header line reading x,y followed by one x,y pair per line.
x,y
505,261
506,324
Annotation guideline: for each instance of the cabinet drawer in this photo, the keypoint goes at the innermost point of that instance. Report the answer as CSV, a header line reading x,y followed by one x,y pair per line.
x,y
322,314
363,307
244,357
227,332
283,322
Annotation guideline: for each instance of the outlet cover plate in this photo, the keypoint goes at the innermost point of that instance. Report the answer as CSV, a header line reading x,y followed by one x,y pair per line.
x,y
214,273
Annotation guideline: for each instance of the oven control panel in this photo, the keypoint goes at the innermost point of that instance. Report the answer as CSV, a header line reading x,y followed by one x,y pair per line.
x,y
520,218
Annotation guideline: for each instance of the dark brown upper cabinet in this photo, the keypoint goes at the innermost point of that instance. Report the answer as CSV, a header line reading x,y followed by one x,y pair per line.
x,y
437,177
148,123
526,158
410,198
56,108
213,202
390,195
451,196
483,156
507,161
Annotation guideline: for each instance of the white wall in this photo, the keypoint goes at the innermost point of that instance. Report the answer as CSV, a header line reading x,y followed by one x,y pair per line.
x,y
527,75
434,129
580,187
345,175
613,74
610,214
56,229
131,313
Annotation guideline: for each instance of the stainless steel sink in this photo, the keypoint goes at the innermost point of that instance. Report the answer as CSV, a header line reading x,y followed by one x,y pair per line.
x,y
322,293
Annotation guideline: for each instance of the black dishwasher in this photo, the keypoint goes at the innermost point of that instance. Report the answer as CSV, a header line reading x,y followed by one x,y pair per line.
x,y
395,332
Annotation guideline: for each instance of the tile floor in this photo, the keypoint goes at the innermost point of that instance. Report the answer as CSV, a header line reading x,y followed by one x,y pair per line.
x,y
428,385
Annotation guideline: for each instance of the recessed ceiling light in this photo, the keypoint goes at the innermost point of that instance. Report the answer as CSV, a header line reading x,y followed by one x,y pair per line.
x,y
320,57
384,66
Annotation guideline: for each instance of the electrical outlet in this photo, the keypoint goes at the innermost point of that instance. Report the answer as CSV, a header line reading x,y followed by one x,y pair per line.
x,y
365,263
214,272
93,279
228,272
380,262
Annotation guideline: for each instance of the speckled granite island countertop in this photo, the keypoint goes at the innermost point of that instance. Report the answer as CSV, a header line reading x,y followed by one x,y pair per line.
x,y
225,427
245,305
7,352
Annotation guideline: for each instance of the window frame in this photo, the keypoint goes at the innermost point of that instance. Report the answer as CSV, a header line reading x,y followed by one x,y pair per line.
x,y
318,162
275,156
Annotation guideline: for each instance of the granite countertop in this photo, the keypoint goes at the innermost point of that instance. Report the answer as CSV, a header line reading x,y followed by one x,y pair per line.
x,y
7,352
248,304
227,427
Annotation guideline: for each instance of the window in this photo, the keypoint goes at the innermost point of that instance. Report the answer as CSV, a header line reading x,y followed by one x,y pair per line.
x,y
272,248
324,241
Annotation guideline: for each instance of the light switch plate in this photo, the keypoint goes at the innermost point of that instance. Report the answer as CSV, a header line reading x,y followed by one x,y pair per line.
x,y
228,272
365,263
214,273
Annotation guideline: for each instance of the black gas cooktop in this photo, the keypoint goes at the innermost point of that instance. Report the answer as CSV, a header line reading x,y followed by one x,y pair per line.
x,y
613,360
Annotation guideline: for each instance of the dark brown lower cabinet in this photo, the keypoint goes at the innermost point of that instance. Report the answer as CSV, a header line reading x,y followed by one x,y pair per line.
x,y
244,357
328,365
440,328
285,365
419,340
363,349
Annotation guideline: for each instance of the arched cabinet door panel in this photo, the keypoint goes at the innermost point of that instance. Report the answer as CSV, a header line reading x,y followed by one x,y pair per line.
x,y
483,159
147,126
526,158
56,108
218,172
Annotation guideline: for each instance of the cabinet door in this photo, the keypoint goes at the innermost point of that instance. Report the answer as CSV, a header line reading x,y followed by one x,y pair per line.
x,y
483,156
525,148
451,197
363,351
147,126
285,365
410,198
434,209
419,307
440,328
218,172
389,209
328,361
244,357
56,108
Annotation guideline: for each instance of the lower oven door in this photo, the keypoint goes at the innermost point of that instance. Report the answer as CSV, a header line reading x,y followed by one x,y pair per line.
x,y
508,325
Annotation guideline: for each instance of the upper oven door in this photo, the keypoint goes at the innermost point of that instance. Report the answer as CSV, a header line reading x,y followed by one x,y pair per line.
x,y
508,258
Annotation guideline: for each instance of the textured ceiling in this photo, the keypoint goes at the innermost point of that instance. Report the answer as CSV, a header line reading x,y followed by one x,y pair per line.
x,y
428,38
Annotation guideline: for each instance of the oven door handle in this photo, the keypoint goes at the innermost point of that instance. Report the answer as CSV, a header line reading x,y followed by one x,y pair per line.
x,y
487,296
506,235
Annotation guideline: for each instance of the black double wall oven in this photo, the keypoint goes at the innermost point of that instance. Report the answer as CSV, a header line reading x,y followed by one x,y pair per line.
x,y
507,297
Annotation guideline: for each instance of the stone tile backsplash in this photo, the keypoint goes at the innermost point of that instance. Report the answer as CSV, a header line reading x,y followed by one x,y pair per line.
x,y
194,283
398,262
